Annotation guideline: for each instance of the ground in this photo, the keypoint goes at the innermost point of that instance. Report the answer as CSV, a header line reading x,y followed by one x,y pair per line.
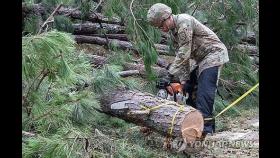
x,y
241,139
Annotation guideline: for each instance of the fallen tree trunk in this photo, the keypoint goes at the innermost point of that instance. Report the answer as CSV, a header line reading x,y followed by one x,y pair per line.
x,y
161,49
162,62
98,61
252,50
93,17
71,12
122,37
129,73
36,9
165,117
92,28
249,38
102,41
159,72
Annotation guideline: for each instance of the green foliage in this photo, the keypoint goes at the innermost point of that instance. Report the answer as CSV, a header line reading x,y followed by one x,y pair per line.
x,y
53,3
224,16
62,23
239,74
119,57
31,24
45,53
129,150
86,6
222,104
60,145
52,108
106,79
237,77
150,57
138,31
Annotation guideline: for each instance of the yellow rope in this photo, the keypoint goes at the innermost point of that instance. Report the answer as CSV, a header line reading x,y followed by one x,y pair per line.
x,y
236,101
173,119
181,108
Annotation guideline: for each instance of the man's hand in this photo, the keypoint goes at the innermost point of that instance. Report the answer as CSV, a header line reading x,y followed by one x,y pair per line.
x,y
187,86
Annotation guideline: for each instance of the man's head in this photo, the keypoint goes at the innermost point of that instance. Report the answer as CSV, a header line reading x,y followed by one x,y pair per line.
x,y
159,15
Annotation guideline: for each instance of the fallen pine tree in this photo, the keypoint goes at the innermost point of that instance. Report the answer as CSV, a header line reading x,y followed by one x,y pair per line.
x,y
159,71
161,49
91,28
163,116
73,13
131,68
122,37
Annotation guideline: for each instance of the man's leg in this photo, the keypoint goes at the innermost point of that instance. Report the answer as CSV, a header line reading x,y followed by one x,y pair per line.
x,y
207,85
190,88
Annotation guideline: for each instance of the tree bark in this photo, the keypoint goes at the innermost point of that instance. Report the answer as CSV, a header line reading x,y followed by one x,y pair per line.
x,y
129,73
161,49
93,17
249,38
162,62
98,61
136,107
252,50
159,72
122,37
93,28
36,9
102,41
71,12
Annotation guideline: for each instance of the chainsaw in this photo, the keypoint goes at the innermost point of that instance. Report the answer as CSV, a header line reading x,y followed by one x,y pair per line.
x,y
171,90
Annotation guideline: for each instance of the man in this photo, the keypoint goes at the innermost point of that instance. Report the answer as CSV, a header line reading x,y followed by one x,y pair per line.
x,y
193,41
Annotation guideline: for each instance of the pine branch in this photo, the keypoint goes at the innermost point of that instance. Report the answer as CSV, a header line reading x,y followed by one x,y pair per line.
x,y
47,93
224,9
45,74
54,109
97,5
72,147
32,84
29,134
194,10
49,18
25,98
135,21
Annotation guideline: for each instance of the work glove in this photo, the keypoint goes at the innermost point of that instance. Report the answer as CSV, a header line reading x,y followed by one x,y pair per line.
x,y
187,87
163,82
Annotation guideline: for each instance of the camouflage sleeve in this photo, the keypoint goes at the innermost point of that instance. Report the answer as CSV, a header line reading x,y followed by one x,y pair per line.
x,y
181,65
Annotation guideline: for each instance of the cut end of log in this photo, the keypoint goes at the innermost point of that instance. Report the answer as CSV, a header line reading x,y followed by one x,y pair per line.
x,y
192,126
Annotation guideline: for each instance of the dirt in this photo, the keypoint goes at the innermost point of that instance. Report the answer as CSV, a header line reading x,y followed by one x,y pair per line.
x,y
241,139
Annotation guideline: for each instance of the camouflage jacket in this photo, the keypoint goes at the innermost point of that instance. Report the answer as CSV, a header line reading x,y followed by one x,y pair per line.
x,y
194,41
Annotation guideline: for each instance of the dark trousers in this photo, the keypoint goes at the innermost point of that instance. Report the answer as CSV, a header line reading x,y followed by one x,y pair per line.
x,y
205,89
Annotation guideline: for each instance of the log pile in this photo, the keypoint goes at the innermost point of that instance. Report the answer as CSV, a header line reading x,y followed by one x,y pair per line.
x,y
102,30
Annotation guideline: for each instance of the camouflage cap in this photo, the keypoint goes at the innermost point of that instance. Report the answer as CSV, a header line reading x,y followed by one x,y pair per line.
x,y
158,13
